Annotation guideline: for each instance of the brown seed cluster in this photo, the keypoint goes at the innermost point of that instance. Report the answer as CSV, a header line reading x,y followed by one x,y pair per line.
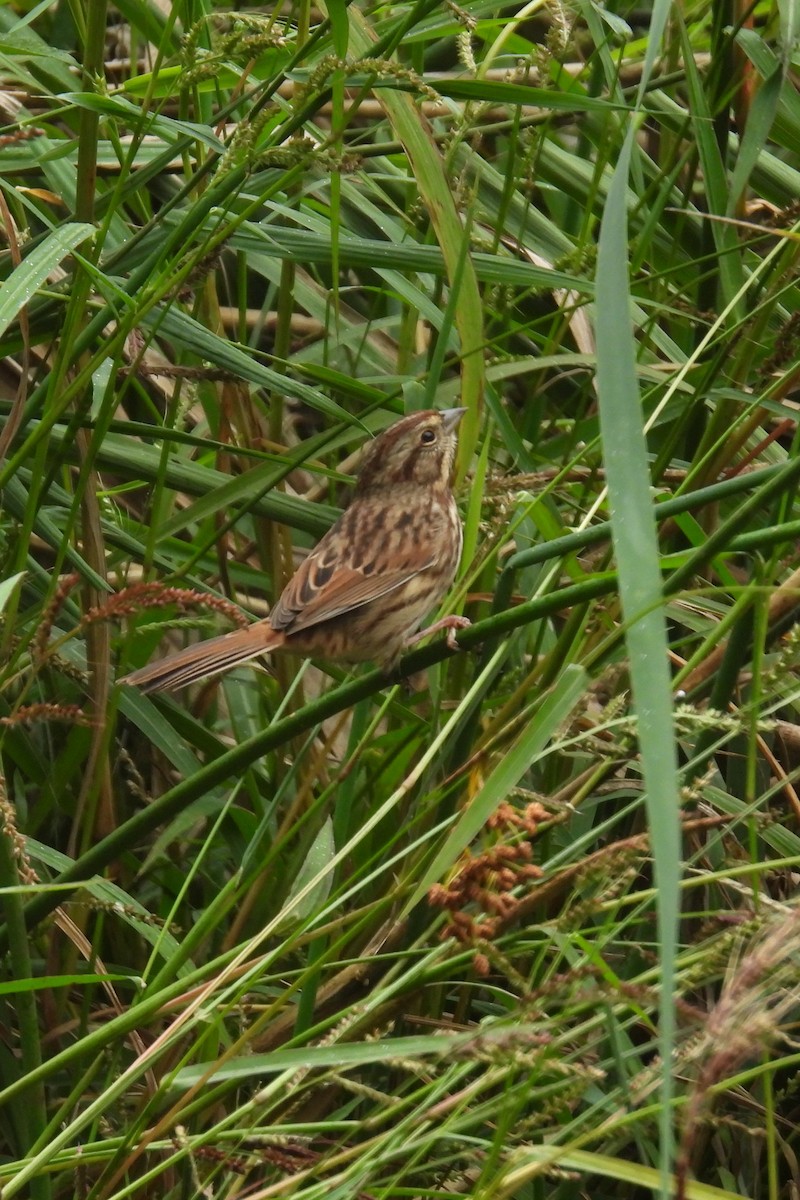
x,y
31,713
155,595
487,881
40,642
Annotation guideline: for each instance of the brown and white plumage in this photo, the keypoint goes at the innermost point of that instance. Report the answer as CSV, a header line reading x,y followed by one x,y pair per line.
x,y
365,589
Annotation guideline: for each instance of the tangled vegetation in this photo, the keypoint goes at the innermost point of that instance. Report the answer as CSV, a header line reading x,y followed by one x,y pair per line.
x,y
527,927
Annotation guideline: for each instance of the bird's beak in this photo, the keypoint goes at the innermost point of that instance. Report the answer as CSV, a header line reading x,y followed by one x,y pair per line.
x,y
451,417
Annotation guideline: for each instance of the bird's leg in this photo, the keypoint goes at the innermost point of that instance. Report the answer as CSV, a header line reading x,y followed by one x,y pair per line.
x,y
450,623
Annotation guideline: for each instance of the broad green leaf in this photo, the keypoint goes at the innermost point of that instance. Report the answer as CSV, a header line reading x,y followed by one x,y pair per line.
x,y
8,587
24,281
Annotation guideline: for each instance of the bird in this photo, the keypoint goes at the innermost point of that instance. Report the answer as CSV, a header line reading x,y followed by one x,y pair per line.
x,y
363,592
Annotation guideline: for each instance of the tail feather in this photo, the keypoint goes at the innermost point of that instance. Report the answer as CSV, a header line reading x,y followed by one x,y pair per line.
x,y
206,658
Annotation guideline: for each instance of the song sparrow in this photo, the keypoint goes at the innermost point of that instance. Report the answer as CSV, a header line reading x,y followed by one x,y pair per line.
x,y
364,590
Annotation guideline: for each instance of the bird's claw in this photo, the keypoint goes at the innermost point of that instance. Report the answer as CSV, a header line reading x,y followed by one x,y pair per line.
x,y
451,623
454,624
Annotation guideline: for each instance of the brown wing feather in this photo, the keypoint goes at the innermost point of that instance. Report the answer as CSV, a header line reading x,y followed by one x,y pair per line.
x,y
334,579
346,590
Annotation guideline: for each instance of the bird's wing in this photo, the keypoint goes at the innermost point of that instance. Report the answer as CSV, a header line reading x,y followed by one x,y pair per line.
x,y
339,576
307,601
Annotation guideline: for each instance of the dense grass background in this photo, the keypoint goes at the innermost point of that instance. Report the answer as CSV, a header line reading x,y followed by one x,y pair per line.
x,y
530,930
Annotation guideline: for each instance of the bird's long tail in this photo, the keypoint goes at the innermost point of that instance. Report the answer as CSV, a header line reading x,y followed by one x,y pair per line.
x,y
206,658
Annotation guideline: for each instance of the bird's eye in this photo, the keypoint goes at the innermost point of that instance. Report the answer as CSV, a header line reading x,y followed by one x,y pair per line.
x,y
427,437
